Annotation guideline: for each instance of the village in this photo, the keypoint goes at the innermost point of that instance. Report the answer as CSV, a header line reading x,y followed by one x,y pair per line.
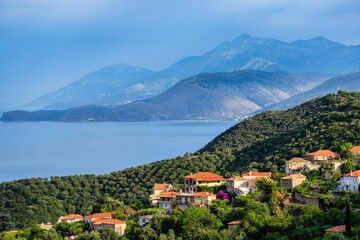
x,y
194,193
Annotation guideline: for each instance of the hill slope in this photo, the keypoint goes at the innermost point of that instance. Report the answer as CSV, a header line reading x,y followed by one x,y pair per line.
x,y
122,83
261,142
209,96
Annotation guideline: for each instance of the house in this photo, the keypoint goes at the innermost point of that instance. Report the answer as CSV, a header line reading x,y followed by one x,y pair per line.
x,y
256,175
322,155
336,229
291,181
143,220
167,201
202,179
330,168
117,225
350,182
199,199
97,216
46,226
355,151
71,218
234,224
296,165
160,188
237,185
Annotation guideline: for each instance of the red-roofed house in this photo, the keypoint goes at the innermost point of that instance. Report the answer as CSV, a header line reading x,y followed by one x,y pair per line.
x,y
322,155
234,224
97,216
237,185
202,179
167,201
356,150
71,218
350,181
256,175
117,225
295,165
199,199
336,229
160,188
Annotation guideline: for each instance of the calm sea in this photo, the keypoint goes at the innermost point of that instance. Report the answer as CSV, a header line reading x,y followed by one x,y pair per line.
x,y
43,149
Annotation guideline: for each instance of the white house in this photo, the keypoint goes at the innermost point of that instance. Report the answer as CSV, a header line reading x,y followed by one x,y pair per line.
x,y
350,182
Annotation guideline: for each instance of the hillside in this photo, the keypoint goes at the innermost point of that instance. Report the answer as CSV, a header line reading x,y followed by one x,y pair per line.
x,y
122,83
348,82
205,96
261,142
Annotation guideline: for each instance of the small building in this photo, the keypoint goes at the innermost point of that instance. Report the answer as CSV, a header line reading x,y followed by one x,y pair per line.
x,y
202,179
234,224
291,181
97,216
255,174
71,218
167,201
296,165
350,182
117,225
199,199
355,151
46,226
322,155
336,229
330,168
159,188
143,220
237,185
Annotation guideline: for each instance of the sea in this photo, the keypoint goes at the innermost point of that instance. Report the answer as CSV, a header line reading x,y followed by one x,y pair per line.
x,y
44,149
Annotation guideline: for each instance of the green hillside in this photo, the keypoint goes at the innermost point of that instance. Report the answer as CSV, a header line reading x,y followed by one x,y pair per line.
x,y
262,142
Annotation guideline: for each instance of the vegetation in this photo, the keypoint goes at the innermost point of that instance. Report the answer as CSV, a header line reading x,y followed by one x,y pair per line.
x,y
262,142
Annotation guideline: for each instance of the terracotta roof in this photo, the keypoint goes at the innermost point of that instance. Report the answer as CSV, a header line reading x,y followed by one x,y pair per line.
x,y
168,194
205,176
298,160
353,174
72,216
337,229
204,194
101,215
328,153
108,221
237,178
257,174
293,176
236,222
356,149
161,186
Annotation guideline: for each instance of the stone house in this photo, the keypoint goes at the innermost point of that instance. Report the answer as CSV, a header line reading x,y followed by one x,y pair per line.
x,y
291,181
296,165
322,155
117,225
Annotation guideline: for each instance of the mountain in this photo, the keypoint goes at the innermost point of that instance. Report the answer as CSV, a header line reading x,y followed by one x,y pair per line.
x,y
122,83
349,82
205,96
262,142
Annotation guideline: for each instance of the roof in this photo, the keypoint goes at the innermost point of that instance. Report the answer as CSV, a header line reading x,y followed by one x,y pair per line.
x,y
257,174
237,178
101,215
236,222
161,186
298,160
72,216
328,153
356,149
168,194
205,176
353,174
204,194
294,176
108,221
337,229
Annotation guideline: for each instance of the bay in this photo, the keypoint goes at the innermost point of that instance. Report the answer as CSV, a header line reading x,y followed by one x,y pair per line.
x,y
43,149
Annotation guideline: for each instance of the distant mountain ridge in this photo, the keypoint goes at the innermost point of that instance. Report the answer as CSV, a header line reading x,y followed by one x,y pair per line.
x,y
120,84
205,96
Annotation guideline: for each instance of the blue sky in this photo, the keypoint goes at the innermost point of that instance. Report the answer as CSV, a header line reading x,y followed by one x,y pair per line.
x,y
46,44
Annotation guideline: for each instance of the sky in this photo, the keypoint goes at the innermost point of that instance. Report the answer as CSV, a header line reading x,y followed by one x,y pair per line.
x,y
47,44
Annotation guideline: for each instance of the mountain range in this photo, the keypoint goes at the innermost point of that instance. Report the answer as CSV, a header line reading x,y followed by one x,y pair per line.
x,y
205,96
122,83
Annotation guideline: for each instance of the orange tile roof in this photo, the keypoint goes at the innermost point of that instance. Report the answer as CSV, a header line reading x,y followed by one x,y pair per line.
x,y
72,216
298,160
161,186
108,221
204,194
257,174
101,215
356,149
353,174
236,222
168,194
205,176
237,178
294,176
328,153
337,229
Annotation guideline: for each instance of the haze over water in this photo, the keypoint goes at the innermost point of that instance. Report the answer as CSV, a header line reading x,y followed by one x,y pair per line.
x,y
43,149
